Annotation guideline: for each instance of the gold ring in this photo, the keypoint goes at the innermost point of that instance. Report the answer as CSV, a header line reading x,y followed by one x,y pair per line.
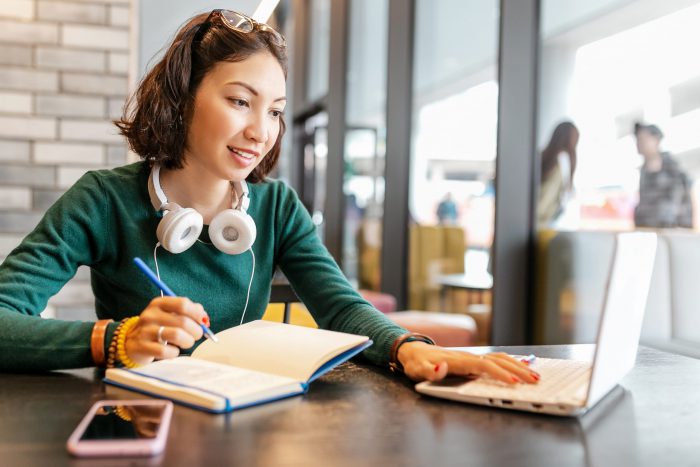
x,y
160,336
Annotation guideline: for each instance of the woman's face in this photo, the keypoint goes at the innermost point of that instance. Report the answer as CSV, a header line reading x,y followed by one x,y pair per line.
x,y
236,117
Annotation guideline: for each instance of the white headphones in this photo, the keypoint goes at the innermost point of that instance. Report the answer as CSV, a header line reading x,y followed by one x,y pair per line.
x,y
231,231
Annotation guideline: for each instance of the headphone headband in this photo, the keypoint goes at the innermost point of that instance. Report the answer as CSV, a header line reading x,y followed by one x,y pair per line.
x,y
156,184
242,194
160,202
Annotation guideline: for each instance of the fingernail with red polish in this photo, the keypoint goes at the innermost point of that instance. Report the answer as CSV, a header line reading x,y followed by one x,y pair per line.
x,y
205,320
515,379
437,368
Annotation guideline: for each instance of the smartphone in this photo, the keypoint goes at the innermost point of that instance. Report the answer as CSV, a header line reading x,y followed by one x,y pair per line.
x,y
122,428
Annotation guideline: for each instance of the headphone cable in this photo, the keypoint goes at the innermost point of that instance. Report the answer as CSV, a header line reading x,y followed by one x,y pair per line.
x,y
155,260
250,284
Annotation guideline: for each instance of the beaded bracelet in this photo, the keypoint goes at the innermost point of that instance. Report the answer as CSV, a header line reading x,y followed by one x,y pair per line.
x,y
394,363
112,350
117,347
121,412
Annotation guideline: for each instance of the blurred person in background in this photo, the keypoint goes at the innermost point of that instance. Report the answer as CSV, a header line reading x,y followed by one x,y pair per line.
x,y
664,188
447,210
558,165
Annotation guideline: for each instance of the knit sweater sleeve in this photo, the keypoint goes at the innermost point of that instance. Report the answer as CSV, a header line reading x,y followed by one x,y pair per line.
x,y
38,268
320,284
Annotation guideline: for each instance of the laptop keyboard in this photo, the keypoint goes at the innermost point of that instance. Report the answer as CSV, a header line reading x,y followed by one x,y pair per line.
x,y
561,379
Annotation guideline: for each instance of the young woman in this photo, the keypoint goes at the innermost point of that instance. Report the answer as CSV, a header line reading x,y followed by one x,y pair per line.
x,y
206,119
558,165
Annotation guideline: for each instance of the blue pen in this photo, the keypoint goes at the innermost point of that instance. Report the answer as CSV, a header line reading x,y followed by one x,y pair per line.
x,y
166,290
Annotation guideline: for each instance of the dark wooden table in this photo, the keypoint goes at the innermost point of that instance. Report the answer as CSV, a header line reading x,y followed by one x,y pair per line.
x,y
360,415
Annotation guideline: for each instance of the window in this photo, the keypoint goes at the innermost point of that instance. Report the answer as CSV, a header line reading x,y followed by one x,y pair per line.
x,y
455,105
606,66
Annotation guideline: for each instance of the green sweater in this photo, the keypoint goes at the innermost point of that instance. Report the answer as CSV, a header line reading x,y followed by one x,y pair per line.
x,y
106,219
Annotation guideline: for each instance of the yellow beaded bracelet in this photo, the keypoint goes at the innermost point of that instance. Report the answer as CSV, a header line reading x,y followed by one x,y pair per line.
x,y
121,412
121,342
117,347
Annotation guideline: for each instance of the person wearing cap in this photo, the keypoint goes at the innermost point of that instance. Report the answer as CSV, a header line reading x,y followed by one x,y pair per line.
x,y
664,188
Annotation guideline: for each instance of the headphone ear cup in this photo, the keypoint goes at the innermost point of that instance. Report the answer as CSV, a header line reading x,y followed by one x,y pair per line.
x,y
232,231
178,230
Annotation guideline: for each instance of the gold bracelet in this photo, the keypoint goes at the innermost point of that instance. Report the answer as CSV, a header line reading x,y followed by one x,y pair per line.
x,y
394,363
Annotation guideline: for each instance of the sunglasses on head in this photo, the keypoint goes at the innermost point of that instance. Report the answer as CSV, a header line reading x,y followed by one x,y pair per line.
x,y
245,24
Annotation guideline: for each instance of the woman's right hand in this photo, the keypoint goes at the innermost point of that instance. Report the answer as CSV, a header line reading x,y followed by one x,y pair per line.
x,y
179,319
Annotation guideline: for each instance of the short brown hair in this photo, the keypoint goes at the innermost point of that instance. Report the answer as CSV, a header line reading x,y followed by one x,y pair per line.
x,y
157,116
651,129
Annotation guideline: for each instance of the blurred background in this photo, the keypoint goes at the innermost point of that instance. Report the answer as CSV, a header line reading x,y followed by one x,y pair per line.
x,y
421,139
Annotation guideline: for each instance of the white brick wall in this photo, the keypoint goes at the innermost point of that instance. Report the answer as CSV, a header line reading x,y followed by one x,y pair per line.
x,y
115,108
27,175
118,63
63,73
28,33
14,151
67,176
83,83
95,37
28,79
118,15
15,54
28,127
69,59
89,130
67,153
15,198
8,243
72,293
70,105
70,12
113,2
21,9
15,102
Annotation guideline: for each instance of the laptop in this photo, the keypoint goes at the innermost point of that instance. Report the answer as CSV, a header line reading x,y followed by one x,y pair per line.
x,y
571,387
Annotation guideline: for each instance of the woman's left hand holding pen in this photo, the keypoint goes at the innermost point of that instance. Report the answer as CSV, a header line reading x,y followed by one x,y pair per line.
x,y
165,326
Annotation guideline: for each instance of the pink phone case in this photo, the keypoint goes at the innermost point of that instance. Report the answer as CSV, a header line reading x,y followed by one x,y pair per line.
x,y
105,448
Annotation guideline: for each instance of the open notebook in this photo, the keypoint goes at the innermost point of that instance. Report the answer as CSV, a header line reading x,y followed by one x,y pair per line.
x,y
255,363
570,387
